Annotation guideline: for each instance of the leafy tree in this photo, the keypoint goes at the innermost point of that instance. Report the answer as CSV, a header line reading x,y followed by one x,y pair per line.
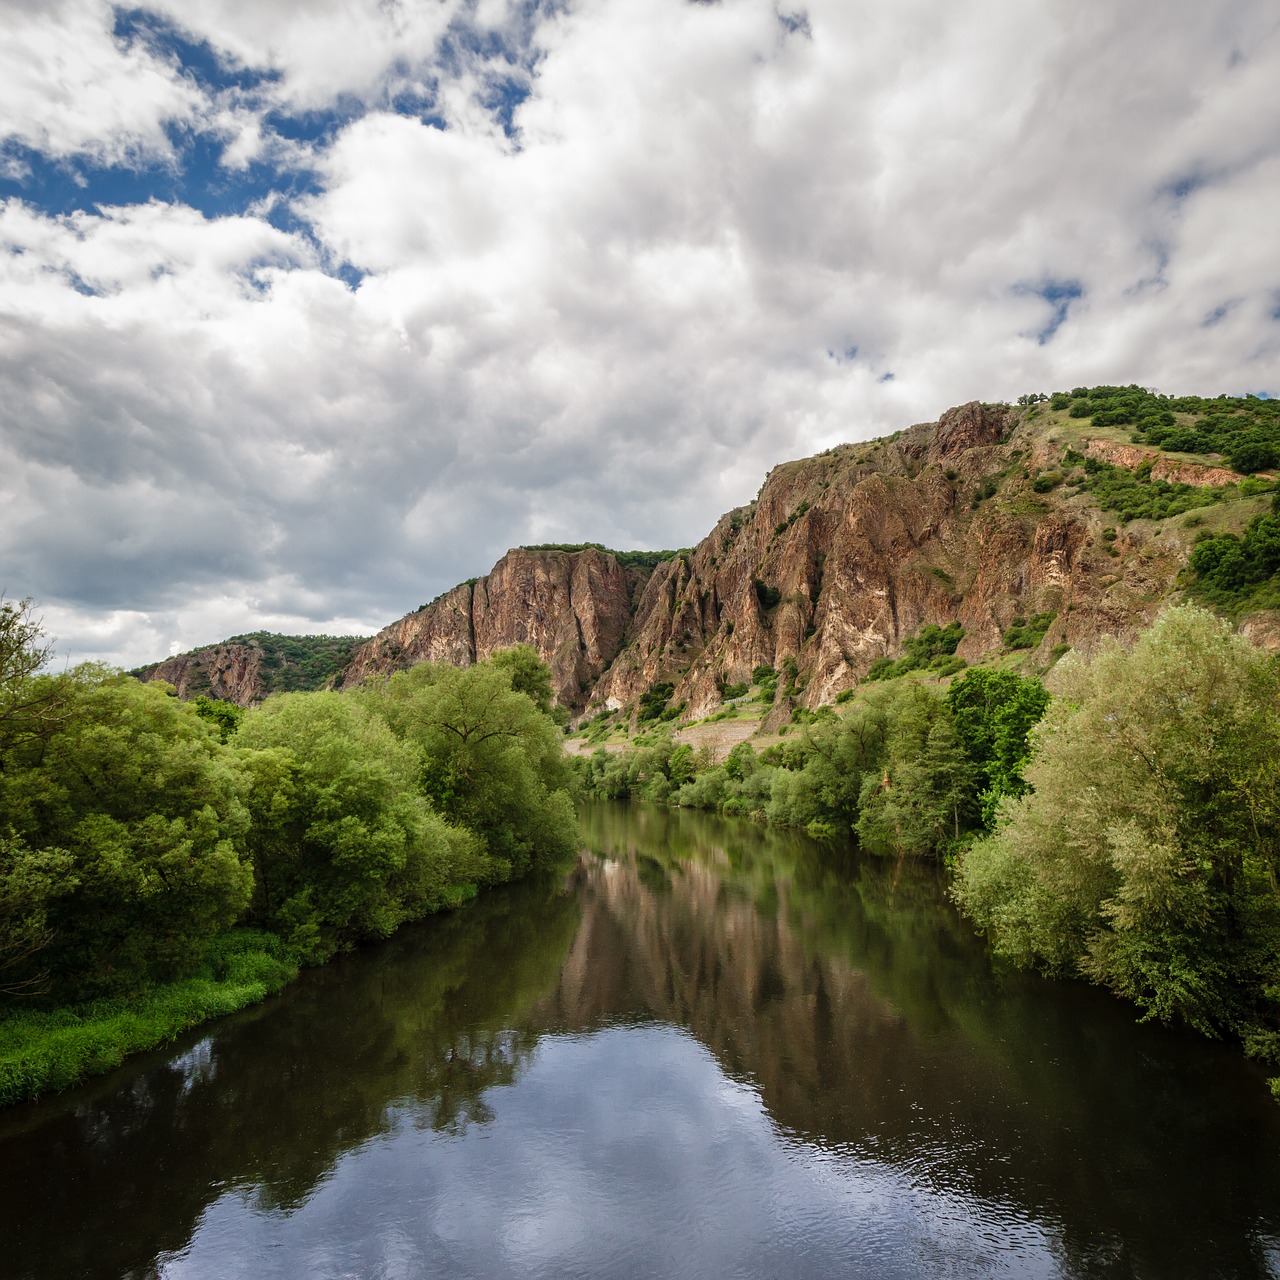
x,y
1147,855
345,845
837,763
923,799
489,759
30,879
225,716
30,707
131,812
527,673
994,712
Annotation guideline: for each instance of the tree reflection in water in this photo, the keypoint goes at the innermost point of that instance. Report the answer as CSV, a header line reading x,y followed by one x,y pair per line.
x,y
845,995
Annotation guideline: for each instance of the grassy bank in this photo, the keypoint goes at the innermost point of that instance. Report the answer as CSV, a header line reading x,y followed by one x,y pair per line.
x,y
41,1052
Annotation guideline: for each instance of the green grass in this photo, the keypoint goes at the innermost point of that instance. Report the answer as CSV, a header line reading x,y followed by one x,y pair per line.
x,y
41,1052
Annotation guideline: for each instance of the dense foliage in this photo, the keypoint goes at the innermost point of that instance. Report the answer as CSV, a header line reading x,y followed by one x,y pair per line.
x,y
1146,856
906,769
139,829
1134,495
932,647
1234,573
1243,429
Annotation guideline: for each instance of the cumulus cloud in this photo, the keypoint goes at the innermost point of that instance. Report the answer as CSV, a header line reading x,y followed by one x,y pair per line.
x,y
580,271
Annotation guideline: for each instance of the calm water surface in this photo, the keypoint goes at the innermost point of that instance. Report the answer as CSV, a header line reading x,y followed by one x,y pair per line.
x,y
706,1050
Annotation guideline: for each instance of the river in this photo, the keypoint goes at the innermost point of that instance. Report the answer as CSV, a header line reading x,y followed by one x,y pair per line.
x,y
707,1049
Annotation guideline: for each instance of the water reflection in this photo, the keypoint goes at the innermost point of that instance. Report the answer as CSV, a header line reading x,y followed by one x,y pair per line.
x,y
712,1049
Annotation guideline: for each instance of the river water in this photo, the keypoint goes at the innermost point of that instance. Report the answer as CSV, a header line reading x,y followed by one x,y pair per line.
x,y
707,1049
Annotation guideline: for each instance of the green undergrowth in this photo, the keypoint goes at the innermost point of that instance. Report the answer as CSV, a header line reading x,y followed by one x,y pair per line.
x,y
1245,430
1134,495
932,649
42,1052
628,559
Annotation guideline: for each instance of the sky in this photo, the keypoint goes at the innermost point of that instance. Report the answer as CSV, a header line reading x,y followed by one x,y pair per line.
x,y
308,312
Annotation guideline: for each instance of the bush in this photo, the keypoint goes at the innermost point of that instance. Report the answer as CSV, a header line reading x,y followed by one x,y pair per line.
x,y
1144,858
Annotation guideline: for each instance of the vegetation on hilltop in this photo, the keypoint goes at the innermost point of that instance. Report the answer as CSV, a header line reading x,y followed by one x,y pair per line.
x,y
290,664
628,559
1243,429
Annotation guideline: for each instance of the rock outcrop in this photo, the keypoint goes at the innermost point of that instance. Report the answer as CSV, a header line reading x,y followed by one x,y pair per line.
x,y
574,608
232,672
1132,456
839,559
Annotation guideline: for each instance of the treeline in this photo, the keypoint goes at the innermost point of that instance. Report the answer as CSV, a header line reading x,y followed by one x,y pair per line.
x,y
1244,429
1126,831
907,769
147,843
627,559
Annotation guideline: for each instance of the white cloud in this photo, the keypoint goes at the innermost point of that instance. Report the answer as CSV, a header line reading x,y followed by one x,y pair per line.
x,y
68,86
610,325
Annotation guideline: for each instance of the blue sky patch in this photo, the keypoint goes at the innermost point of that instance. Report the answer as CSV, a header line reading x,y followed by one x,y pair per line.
x,y
197,58
1219,313
70,185
795,23
1059,294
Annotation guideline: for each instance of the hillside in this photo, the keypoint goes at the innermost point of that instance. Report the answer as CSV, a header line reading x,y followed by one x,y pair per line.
x,y
245,669
1034,528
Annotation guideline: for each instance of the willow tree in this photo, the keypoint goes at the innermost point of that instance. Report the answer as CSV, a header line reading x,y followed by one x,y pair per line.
x,y
1147,856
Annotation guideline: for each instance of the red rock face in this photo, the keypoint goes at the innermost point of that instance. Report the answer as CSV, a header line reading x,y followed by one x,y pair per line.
x,y
863,545
1132,456
572,607
229,671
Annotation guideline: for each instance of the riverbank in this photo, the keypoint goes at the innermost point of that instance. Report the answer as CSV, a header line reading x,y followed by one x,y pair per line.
x,y
42,1052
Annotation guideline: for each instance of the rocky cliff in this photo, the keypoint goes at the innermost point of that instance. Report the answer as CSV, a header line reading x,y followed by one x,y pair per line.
x,y
984,517
229,671
575,608
840,558
245,669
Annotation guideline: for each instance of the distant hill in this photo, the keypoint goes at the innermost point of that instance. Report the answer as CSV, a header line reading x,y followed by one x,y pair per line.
x,y
246,668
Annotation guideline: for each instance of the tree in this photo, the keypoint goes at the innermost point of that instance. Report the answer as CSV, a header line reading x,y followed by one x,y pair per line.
x,y
132,810
345,845
1147,856
922,798
489,759
527,674
29,707
994,712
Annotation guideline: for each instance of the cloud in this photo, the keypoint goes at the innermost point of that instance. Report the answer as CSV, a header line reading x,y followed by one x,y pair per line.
x,y
68,85
564,272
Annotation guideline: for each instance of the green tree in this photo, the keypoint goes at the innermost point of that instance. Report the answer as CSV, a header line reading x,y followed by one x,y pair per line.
x,y
923,798
489,759
134,811
30,707
226,716
1147,856
527,674
994,712
345,845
